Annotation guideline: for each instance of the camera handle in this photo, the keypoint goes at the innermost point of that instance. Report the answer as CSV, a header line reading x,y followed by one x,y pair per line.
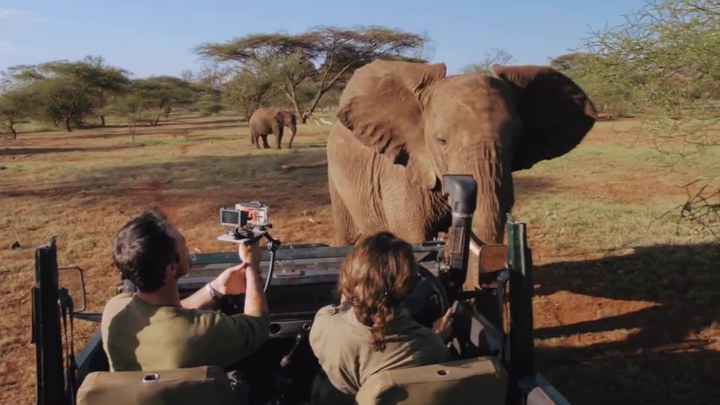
x,y
272,248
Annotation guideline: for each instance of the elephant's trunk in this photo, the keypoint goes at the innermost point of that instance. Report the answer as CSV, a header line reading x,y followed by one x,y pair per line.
x,y
494,200
495,194
293,130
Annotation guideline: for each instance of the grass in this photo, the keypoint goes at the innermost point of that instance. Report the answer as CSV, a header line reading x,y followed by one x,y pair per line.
x,y
625,299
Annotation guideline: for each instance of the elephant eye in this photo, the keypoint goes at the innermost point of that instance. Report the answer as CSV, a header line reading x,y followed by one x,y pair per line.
x,y
442,142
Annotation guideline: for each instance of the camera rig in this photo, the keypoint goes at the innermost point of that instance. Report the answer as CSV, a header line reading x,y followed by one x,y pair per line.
x,y
246,223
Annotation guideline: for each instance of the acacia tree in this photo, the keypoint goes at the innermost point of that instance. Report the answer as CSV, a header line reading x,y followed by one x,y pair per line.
x,y
323,55
15,105
496,56
163,93
133,109
663,62
247,91
105,82
67,91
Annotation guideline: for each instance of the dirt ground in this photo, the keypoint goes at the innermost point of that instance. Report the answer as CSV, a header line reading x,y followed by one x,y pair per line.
x,y
625,309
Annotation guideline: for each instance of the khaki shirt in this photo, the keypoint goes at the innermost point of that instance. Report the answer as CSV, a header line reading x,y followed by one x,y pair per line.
x,y
138,335
344,347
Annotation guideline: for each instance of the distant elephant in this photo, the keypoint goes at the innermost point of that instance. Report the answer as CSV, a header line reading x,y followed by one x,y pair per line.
x,y
403,125
265,121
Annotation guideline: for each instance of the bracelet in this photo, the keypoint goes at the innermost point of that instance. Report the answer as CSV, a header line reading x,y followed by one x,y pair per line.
x,y
214,294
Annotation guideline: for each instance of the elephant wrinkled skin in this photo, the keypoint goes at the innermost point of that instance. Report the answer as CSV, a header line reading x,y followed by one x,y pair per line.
x,y
265,121
403,125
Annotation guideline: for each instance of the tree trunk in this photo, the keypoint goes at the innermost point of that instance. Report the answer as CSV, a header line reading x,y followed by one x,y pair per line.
x,y
299,113
296,106
67,123
14,132
102,120
157,121
324,87
293,99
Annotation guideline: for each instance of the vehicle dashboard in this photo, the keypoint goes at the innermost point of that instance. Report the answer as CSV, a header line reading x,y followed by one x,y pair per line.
x,y
304,280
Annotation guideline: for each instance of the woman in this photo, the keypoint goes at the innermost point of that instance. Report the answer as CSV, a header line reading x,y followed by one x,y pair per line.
x,y
370,331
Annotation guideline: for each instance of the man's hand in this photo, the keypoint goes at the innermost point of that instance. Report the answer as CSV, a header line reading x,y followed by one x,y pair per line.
x,y
232,281
443,326
250,253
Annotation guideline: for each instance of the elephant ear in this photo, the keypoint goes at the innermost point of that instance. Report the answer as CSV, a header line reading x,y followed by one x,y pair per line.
x,y
382,107
556,114
279,116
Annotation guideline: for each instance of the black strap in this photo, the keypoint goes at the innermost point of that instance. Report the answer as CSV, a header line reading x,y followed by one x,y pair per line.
x,y
66,310
503,307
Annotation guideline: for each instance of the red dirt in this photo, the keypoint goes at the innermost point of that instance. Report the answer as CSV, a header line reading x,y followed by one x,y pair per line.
x,y
604,334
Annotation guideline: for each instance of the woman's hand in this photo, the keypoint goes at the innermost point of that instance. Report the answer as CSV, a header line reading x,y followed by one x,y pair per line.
x,y
443,326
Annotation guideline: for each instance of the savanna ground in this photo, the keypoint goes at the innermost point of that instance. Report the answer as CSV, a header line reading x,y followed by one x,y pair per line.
x,y
626,307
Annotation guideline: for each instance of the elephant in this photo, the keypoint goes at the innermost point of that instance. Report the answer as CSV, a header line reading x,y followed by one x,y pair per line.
x,y
265,121
403,125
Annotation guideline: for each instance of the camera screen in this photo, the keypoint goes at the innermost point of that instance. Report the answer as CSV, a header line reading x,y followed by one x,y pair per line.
x,y
231,217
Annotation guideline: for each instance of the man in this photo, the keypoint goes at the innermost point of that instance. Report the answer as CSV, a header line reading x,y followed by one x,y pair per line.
x,y
154,329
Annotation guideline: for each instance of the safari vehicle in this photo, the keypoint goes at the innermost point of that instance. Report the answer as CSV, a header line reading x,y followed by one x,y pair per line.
x,y
492,343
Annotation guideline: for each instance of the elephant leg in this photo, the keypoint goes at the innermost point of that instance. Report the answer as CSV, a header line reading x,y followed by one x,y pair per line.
x,y
345,229
265,142
254,139
411,215
279,136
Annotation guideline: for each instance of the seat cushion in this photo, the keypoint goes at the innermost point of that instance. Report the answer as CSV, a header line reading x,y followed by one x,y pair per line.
x,y
207,385
463,381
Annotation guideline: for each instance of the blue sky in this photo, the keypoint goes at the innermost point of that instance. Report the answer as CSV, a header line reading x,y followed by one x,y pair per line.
x,y
154,37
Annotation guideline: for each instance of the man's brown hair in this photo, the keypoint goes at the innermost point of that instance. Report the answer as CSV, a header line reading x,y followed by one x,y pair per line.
x,y
143,248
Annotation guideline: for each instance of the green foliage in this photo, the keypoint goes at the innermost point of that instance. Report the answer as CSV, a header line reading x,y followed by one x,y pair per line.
x,y
663,63
246,91
15,106
105,82
65,91
320,58
161,94
209,103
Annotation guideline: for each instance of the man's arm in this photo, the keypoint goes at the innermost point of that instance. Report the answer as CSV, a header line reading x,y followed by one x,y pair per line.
x,y
255,302
202,298
243,278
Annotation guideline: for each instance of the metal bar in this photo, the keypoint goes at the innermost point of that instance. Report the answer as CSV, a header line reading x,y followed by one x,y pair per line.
x,y
522,356
48,340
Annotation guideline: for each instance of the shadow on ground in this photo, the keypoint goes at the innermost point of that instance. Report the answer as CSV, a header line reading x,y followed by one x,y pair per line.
x,y
41,151
258,174
665,361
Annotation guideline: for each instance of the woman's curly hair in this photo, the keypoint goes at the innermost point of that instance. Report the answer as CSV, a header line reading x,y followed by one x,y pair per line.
x,y
375,278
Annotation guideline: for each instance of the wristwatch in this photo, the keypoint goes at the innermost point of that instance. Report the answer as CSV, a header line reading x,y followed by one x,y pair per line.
x,y
214,294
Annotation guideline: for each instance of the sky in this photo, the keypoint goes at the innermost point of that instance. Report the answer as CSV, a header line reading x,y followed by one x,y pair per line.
x,y
156,37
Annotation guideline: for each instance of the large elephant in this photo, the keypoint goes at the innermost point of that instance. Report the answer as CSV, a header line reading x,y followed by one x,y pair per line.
x,y
265,121
403,125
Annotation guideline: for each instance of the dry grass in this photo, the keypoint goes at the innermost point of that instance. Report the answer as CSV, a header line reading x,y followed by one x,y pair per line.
x,y
625,306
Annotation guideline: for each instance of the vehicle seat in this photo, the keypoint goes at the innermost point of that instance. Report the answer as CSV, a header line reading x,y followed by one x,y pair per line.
x,y
207,385
463,381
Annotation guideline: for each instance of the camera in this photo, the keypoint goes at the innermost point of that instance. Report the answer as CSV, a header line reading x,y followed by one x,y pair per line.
x,y
247,221
253,214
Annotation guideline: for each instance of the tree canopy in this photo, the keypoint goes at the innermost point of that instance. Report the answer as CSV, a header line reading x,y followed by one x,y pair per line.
x,y
322,57
65,91
663,63
494,57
